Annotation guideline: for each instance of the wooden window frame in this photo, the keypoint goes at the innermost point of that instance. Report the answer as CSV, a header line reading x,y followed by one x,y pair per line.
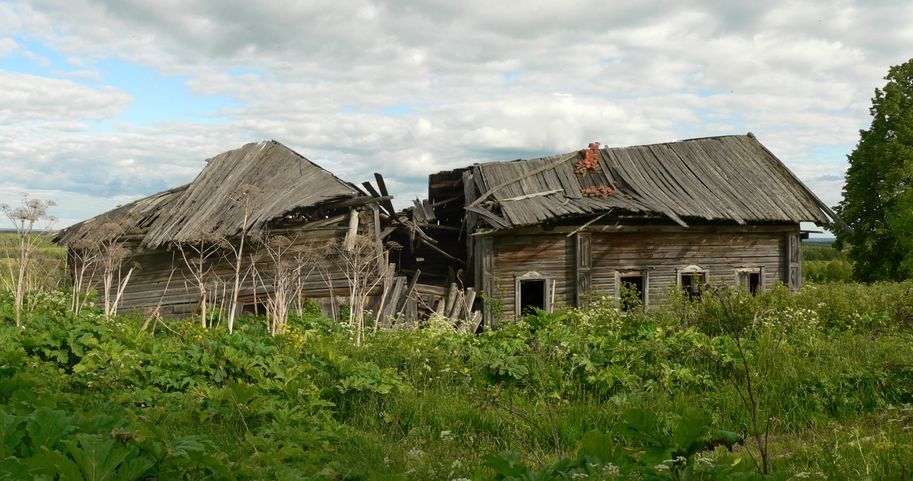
x,y
645,273
759,270
691,269
549,286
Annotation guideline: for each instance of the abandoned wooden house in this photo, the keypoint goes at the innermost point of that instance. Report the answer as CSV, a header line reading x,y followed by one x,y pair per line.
x,y
632,224
636,220
260,189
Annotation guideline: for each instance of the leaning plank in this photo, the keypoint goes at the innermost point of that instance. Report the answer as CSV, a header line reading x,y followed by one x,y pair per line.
x,y
410,290
497,221
418,212
468,301
457,306
388,206
398,286
451,297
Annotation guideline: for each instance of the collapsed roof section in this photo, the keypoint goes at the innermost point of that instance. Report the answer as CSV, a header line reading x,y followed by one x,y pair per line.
x,y
239,190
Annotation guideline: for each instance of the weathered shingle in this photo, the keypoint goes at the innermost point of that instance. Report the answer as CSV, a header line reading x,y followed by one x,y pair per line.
x,y
208,207
717,178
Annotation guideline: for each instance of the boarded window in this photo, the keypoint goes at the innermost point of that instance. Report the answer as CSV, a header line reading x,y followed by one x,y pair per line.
x,y
533,293
632,290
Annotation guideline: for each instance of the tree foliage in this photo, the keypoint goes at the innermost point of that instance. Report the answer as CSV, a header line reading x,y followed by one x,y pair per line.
x,y
878,194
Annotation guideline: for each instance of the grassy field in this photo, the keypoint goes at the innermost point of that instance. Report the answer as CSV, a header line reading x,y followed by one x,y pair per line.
x,y
48,263
589,394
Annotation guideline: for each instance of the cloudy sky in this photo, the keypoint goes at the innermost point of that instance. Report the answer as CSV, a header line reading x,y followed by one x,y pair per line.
x,y
102,102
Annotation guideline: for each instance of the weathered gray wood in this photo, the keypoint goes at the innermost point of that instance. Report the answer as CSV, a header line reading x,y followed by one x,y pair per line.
x,y
468,302
410,291
393,300
660,253
451,298
794,261
378,241
530,196
485,271
719,178
352,233
411,309
457,307
388,206
584,265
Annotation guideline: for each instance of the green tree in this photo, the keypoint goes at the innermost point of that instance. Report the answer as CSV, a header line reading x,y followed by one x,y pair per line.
x,y
878,193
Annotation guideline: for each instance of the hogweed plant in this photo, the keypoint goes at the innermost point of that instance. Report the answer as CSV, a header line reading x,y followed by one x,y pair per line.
x,y
112,252
31,221
288,262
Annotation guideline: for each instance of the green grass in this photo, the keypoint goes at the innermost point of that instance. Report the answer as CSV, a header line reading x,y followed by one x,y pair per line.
x,y
832,365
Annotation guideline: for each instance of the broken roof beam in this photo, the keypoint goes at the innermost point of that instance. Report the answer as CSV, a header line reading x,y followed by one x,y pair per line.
x,y
382,186
496,221
357,202
530,196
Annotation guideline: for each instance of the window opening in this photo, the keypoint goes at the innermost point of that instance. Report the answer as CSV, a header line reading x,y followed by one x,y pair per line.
x,y
693,284
532,296
750,280
632,291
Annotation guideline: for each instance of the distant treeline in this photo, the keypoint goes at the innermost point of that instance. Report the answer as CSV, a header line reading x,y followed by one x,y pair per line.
x,y
824,263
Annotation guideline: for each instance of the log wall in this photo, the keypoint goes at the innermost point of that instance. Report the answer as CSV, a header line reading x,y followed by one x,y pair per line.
x,y
162,280
660,252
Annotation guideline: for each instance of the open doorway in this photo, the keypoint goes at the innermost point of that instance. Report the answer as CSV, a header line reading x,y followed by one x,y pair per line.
x,y
533,295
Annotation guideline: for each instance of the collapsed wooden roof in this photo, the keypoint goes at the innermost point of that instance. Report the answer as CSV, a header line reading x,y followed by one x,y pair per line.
x,y
275,179
731,178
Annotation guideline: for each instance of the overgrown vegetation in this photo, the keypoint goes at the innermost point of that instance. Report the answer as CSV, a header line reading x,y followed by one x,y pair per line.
x,y
591,394
877,197
823,263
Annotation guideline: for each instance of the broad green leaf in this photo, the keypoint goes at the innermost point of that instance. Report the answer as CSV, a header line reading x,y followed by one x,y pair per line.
x,y
47,426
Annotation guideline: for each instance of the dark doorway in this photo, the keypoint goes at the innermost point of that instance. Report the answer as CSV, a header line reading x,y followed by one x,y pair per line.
x,y
532,296
632,291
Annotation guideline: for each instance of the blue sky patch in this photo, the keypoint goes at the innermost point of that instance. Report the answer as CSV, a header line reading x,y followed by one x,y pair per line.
x,y
156,98
398,110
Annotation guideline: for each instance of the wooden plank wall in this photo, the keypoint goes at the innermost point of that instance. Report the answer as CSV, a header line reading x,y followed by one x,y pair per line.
x,y
550,255
661,253
147,287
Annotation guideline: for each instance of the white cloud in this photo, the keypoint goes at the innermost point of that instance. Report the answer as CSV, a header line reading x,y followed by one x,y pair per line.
x,y
7,46
483,80
26,98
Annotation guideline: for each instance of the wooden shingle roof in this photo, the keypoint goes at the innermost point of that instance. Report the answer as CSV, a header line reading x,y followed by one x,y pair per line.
x,y
280,179
716,178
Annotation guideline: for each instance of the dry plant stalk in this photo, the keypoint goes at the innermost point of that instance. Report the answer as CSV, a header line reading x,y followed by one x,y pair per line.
x,y
84,260
30,221
198,258
357,259
112,252
288,262
244,196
